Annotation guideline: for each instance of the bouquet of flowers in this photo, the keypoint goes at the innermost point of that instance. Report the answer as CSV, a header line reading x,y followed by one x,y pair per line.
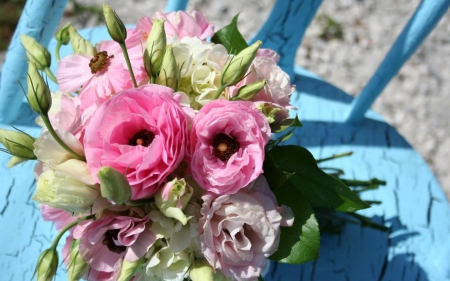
x,y
159,155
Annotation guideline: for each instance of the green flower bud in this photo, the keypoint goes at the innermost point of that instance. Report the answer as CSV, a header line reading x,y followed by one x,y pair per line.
x,y
237,67
77,266
114,185
15,161
169,74
79,44
155,48
269,111
115,26
130,268
18,144
173,197
63,35
39,96
36,52
247,92
201,270
47,265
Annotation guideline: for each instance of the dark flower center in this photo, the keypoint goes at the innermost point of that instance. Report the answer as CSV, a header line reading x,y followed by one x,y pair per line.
x,y
224,146
99,61
143,137
110,236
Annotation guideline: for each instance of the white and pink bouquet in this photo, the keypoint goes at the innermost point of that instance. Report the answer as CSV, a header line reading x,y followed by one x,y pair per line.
x,y
159,155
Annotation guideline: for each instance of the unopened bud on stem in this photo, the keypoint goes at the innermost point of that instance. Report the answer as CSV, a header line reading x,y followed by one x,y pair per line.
x,y
115,26
155,48
79,44
114,185
39,96
169,74
36,53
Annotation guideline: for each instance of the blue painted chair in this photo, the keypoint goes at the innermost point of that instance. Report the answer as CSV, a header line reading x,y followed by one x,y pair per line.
x,y
417,246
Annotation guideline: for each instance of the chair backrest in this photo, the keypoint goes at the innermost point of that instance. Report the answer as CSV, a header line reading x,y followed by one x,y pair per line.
x,y
283,32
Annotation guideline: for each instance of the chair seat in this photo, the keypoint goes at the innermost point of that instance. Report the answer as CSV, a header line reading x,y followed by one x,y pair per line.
x,y
417,246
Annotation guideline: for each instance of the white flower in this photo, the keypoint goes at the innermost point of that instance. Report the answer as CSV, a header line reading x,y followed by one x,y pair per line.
x,y
59,190
201,66
55,157
163,264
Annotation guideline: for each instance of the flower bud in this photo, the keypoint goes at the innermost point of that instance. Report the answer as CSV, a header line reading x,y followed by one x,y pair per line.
x,y
115,26
77,267
155,48
269,111
18,144
36,52
130,268
173,198
63,36
114,185
47,265
201,270
237,67
247,92
79,44
15,161
169,74
58,190
39,96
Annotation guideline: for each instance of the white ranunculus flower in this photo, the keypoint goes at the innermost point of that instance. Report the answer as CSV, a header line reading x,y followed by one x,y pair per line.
x,y
201,66
163,264
59,190
55,157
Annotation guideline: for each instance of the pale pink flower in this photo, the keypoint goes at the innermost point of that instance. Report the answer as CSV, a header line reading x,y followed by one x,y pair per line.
x,y
240,231
104,242
227,145
181,24
106,76
59,217
140,132
276,93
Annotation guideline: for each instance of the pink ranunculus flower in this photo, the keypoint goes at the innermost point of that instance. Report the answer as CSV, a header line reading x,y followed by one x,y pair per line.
x,y
227,145
104,242
276,94
181,24
142,133
240,231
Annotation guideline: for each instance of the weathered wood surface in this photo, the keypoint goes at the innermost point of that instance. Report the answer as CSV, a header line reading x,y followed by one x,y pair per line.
x,y
417,247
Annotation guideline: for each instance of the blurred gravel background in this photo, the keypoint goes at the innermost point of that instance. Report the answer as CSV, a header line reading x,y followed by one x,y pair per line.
x,y
344,45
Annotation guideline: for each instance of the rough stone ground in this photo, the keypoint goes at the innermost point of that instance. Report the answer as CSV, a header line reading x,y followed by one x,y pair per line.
x,y
414,102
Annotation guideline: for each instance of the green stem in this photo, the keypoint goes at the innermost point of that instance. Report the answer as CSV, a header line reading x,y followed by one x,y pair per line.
x,y
69,226
335,156
370,182
152,80
58,139
127,59
219,91
50,75
58,47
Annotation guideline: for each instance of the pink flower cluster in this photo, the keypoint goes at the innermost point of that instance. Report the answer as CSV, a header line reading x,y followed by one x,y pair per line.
x,y
197,189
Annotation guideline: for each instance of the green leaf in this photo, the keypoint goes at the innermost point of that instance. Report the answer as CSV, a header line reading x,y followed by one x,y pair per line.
x,y
260,278
319,188
301,242
274,176
230,37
